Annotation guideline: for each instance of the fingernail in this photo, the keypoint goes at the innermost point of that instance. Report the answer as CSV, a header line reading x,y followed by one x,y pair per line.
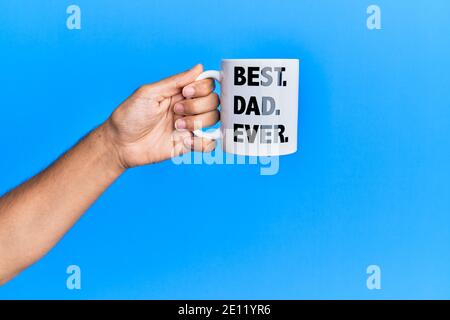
x,y
179,108
180,124
187,142
188,91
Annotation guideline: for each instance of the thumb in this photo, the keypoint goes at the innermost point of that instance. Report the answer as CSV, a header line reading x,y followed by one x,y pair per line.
x,y
174,84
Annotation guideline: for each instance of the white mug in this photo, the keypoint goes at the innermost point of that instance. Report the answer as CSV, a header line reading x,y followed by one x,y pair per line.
x,y
259,106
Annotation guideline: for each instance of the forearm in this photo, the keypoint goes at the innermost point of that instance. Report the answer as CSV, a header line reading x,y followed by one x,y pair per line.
x,y
35,215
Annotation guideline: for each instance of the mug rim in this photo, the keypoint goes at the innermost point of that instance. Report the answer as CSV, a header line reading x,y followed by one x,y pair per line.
x,y
260,59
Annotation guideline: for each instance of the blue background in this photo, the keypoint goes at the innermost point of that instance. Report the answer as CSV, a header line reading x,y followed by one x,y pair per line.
x,y
369,185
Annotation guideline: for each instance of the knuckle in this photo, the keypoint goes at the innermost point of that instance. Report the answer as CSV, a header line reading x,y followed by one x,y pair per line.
x,y
189,123
206,86
211,84
195,106
145,88
211,118
140,90
196,123
188,105
216,115
214,98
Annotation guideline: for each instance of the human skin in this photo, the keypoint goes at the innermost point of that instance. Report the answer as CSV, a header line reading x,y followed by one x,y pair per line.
x,y
154,124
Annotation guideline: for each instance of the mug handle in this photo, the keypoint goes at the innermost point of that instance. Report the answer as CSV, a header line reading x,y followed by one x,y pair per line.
x,y
214,135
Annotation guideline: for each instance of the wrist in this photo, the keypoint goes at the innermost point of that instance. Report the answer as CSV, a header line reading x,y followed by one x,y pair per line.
x,y
112,152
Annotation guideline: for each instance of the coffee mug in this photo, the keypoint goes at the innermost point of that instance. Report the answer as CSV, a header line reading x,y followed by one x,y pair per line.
x,y
259,106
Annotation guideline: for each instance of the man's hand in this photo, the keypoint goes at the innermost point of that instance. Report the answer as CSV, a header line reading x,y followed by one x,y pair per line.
x,y
156,122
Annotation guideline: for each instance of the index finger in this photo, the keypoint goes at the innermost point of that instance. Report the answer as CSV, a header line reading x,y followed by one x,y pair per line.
x,y
200,88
